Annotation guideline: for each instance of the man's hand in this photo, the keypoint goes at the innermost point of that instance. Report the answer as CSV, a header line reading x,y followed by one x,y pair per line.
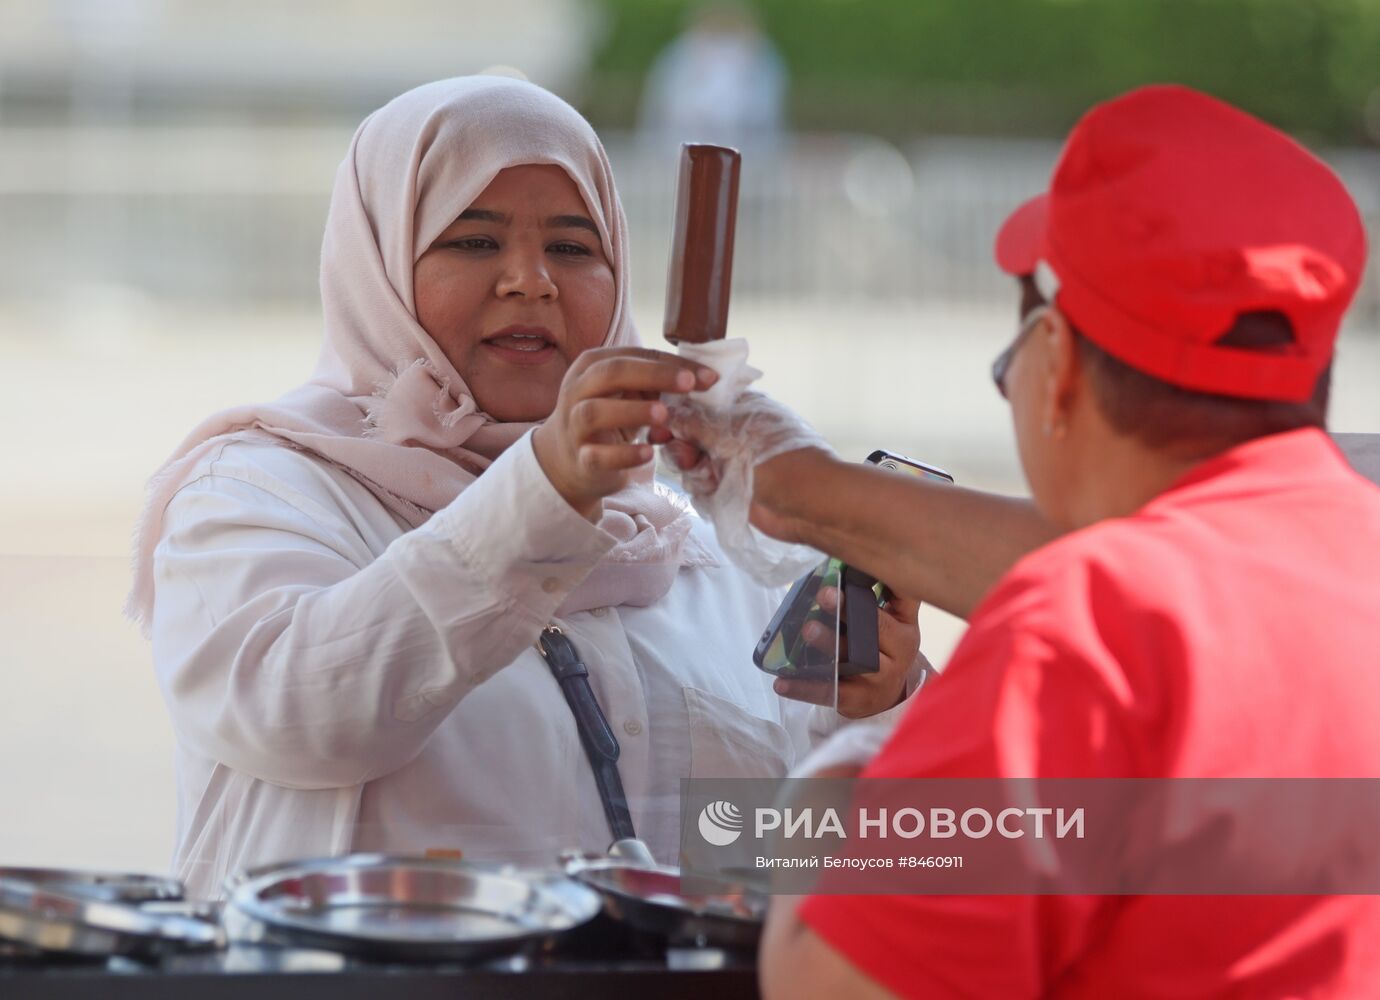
x,y
775,481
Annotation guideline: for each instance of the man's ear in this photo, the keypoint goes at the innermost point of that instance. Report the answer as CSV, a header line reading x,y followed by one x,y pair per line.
x,y
1062,372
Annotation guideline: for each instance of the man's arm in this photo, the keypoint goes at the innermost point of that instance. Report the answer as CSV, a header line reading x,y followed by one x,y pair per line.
x,y
939,543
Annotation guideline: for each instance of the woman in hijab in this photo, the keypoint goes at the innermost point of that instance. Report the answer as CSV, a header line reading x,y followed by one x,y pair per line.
x,y
345,587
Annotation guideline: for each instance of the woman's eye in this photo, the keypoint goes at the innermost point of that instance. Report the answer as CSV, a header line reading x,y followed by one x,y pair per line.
x,y
570,249
472,243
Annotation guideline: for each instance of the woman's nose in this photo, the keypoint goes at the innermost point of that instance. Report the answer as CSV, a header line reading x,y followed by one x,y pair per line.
x,y
524,274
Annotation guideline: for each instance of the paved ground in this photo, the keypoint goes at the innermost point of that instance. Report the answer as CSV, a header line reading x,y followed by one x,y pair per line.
x,y
96,396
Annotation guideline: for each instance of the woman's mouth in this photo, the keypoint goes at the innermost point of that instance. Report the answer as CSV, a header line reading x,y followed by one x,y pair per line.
x,y
523,345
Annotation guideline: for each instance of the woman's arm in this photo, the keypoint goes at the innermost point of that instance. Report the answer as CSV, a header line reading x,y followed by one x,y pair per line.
x,y
287,651
284,653
939,543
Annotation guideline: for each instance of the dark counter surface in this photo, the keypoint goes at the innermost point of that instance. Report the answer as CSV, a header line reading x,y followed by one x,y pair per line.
x,y
268,973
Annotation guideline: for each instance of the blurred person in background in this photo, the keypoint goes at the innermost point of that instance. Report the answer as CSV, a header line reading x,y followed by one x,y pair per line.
x,y
1201,597
722,81
345,588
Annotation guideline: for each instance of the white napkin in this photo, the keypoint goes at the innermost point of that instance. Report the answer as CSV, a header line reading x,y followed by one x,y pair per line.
x,y
729,359
740,429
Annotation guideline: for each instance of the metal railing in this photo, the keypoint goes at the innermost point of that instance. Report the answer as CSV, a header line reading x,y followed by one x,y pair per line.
x,y
234,214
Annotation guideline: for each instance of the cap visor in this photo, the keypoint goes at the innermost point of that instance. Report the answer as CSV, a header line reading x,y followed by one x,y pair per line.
x,y
1021,239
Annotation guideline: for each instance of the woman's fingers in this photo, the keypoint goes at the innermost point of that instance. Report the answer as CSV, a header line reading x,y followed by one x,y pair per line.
x,y
649,372
821,637
607,398
592,416
903,609
898,639
704,376
816,692
604,458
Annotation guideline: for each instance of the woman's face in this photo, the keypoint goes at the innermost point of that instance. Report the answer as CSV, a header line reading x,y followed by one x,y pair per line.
x,y
515,289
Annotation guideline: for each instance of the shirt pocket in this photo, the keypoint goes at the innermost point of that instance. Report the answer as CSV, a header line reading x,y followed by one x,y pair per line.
x,y
727,742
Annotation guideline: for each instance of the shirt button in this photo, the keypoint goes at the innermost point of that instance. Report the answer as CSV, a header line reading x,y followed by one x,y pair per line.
x,y
632,727
550,585
600,612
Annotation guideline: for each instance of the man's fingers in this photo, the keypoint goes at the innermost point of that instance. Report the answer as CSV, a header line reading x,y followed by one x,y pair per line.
x,y
690,424
684,454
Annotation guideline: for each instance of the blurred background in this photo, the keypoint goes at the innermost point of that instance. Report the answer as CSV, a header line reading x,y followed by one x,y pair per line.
x,y
165,167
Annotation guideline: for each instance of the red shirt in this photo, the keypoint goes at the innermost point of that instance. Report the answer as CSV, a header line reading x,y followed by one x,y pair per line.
x,y
1227,629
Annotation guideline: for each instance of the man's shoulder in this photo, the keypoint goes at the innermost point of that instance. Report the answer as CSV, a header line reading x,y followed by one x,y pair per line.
x,y
1166,566
1110,553
1094,595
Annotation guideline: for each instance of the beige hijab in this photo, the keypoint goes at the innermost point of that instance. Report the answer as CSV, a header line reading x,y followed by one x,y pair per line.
x,y
384,404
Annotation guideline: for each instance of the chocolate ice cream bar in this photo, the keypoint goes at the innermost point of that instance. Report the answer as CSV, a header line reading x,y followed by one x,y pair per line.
x,y
701,271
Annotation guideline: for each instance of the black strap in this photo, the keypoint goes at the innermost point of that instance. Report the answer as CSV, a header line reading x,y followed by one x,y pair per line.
x,y
601,746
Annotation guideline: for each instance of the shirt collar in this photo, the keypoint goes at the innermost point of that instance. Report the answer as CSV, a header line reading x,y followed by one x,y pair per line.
x,y
1301,458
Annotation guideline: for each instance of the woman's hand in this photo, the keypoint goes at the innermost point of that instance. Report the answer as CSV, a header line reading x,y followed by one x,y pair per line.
x,y
588,446
898,645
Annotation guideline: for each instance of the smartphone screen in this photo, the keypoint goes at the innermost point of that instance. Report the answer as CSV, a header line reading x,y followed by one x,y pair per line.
x,y
783,650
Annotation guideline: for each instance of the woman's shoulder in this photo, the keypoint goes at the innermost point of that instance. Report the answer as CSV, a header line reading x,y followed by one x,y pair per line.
x,y
274,467
243,478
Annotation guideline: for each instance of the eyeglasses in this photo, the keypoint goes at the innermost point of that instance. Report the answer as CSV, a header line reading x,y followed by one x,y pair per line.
x,y
1003,362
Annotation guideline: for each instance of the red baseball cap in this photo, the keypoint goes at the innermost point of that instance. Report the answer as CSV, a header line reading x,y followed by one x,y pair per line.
x,y
1170,214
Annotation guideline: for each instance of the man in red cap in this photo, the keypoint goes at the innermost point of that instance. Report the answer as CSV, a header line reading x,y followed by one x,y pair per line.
x,y
1204,604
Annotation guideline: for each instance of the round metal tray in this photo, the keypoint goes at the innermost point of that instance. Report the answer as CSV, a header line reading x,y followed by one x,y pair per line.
x,y
119,887
60,920
405,909
648,898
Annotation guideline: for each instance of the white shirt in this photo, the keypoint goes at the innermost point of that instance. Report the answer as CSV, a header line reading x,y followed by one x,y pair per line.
x,y
340,683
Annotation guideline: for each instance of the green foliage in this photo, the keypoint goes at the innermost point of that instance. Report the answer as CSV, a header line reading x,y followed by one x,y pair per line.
x,y
902,67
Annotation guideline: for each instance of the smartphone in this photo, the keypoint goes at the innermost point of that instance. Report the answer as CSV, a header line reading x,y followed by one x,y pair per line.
x,y
782,649
899,463
893,462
